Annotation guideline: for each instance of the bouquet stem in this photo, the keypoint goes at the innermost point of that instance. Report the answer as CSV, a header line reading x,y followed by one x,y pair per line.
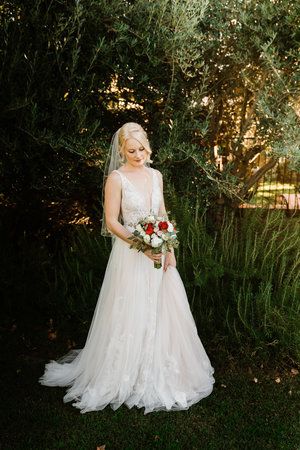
x,y
157,264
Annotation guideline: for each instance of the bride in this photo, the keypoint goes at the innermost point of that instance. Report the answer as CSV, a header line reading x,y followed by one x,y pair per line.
x,y
142,348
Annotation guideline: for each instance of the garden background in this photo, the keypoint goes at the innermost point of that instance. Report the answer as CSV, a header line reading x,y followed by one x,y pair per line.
x,y
217,87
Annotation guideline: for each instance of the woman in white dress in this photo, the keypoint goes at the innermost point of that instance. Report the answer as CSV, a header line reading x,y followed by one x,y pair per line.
x,y
142,348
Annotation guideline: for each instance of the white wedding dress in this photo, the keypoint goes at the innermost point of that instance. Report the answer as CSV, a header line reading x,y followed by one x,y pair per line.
x,y
142,348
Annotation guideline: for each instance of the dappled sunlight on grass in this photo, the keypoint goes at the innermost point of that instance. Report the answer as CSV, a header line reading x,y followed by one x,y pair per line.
x,y
274,195
277,187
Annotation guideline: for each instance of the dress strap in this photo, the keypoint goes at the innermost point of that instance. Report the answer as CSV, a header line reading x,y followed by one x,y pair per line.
x,y
124,180
155,180
120,174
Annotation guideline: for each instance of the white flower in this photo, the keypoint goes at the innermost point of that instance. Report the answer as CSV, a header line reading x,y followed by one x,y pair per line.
x,y
159,233
147,239
165,237
151,219
143,233
156,241
139,228
170,227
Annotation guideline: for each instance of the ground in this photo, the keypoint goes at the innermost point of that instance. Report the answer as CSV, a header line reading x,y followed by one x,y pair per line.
x,y
251,407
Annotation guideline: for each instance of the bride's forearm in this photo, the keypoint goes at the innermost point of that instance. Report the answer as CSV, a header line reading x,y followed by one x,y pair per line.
x,y
116,228
162,211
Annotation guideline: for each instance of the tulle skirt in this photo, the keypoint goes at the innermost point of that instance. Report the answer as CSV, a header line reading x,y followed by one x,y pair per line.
x,y
142,348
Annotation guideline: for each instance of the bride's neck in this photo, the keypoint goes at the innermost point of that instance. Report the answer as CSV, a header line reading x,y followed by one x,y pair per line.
x,y
131,168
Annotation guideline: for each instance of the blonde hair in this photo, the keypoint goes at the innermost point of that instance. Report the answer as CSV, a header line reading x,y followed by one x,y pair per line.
x,y
132,130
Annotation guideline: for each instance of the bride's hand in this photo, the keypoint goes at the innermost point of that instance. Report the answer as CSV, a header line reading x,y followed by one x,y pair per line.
x,y
170,260
153,256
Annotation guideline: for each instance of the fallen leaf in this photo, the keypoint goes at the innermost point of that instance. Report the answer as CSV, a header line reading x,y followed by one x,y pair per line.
x,y
71,344
255,380
52,335
102,447
294,371
278,380
13,327
223,386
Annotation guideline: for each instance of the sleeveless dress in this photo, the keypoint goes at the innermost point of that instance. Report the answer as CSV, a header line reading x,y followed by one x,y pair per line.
x,y
142,348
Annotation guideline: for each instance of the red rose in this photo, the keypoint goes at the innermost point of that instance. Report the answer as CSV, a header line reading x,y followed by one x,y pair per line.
x,y
149,229
163,225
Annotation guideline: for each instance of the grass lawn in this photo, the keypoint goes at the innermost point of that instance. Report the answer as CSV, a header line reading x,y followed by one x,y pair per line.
x,y
248,409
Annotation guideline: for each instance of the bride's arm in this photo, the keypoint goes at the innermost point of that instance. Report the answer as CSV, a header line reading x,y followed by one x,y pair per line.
x,y
162,209
170,259
112,205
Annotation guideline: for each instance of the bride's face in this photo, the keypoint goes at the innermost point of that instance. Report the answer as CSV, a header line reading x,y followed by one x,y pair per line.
x,y
134,152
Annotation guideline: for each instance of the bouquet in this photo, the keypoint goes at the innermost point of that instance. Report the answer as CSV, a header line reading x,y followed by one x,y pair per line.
x,y
156,233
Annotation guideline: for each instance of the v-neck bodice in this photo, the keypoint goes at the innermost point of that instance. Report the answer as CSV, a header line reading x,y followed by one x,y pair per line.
x,y
134,203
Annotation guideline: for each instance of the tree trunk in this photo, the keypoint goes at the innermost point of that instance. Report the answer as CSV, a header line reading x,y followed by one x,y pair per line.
x,y
257,176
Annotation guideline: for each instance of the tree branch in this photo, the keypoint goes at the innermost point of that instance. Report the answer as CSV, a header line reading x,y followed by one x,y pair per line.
x,y
257,176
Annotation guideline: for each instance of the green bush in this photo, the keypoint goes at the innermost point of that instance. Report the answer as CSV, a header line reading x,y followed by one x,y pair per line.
x,y
244,279
77,275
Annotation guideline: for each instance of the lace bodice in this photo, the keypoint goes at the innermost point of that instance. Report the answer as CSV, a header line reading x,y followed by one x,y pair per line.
x,y
134,204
